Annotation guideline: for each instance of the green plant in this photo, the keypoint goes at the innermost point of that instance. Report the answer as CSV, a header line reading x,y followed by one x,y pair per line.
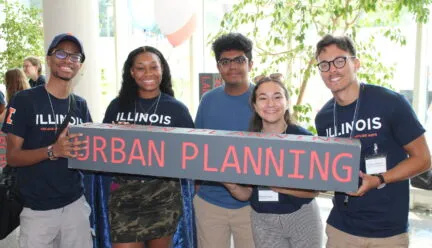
x,y
283,32
21,33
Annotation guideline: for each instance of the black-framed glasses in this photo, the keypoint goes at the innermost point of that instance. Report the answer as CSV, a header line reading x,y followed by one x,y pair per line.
x,y
226,62
338,62
73,57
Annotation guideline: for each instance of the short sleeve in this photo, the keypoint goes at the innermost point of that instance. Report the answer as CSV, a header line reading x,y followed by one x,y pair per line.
x,y
17,116
185,118
110,112
199,118
87,116
404,122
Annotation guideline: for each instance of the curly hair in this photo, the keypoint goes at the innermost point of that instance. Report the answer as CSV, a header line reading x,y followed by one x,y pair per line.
x,y
129,89
255,124
232,41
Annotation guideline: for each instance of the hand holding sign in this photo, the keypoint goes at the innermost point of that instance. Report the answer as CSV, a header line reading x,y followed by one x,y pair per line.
x,y
68,146
368,182
240,192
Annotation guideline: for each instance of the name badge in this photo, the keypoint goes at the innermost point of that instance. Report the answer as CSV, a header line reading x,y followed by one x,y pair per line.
x,y
267,195
376,165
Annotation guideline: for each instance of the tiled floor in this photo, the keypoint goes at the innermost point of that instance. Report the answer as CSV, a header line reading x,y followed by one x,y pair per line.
x,y
420,226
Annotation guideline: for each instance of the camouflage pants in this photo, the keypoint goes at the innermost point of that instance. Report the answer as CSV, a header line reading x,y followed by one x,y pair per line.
x,y
144,210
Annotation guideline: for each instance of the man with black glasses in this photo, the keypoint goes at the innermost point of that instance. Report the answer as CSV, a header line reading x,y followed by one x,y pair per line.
x,y
393,150
55,212
218,214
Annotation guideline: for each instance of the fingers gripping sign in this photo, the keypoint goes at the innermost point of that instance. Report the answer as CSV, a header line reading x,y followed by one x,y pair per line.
x,y
368,182
68,145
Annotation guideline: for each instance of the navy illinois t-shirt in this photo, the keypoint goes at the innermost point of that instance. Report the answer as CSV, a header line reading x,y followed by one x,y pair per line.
x,y
164,111
384,120
286,203
33,115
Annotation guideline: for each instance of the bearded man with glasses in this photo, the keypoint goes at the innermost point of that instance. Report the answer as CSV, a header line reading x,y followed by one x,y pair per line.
x,y
393,149
218,214
55,212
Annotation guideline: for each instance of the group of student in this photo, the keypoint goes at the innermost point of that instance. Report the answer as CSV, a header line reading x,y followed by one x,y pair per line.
x,y
144,211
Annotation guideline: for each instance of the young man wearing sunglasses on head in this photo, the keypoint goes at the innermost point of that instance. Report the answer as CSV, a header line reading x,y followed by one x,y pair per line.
x,y
218,214
55,212
393,149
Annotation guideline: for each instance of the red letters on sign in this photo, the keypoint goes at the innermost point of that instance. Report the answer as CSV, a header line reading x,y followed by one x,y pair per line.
x,y
231,154
118,150
99,148
296,174
185,157
315,162
256,163
296,164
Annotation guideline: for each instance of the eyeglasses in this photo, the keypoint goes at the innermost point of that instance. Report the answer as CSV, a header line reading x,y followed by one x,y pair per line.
x,y
225,62
273,76
73,57
338,62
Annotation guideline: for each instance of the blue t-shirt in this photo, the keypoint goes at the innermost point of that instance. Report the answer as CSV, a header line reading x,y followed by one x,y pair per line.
x,y
48,184
166,111
220,111
286,203
386,119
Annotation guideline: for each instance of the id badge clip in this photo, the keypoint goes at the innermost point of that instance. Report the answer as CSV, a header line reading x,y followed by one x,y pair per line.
x,y
376,164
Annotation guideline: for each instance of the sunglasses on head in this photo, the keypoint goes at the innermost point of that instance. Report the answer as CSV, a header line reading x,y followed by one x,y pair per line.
x,y
274,76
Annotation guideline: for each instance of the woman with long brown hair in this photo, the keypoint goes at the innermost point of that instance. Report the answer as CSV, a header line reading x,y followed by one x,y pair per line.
x,y
15,80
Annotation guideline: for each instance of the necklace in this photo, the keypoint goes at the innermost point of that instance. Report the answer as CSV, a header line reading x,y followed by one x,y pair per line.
x,y
146,112
346,199
355,116
52,109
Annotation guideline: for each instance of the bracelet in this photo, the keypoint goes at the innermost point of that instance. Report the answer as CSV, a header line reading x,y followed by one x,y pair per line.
x,y
51,153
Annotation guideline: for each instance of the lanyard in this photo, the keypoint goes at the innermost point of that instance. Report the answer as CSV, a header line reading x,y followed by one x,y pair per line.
x,y
355,116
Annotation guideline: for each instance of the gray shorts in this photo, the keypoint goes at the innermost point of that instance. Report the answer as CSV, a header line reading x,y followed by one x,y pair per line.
x,y
66,227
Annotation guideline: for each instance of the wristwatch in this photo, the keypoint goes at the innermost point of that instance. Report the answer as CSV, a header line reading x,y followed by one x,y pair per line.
x,y
381,178
51,153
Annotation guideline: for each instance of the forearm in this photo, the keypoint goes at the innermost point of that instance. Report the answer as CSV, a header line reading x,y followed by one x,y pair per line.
x,y
407,168
22,158
418,161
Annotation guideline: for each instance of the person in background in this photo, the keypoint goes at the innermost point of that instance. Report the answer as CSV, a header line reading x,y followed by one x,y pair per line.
x,y
33,70
393,149
218,214
144,211
15,81
286,217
